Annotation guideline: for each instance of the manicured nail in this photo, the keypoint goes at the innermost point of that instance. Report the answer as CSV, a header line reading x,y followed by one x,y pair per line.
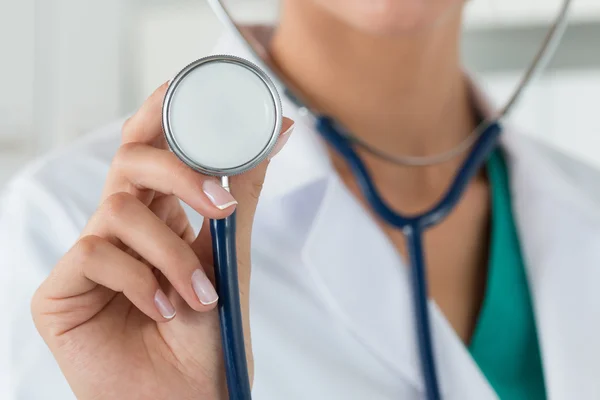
x,y
203,287
164,305
220,197
283,138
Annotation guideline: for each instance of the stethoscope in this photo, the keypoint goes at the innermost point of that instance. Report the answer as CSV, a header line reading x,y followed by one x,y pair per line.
x,y
222,116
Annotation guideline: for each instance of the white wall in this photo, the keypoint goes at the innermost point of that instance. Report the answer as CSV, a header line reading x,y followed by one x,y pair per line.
x,y
61,68
16,69
167,38
78,64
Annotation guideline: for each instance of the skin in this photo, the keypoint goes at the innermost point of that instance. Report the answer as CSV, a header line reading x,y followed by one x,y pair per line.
x,y
96,310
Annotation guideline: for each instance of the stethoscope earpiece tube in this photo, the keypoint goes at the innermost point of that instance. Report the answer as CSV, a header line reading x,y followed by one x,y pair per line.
x,y
230,314
418,274
483,147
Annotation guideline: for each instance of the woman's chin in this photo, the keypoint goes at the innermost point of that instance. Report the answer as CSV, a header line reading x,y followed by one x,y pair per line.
x,y
393,19
395,27
398,17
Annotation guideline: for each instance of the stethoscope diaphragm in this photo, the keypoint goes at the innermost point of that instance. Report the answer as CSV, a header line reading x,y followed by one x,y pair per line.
x,y
222,115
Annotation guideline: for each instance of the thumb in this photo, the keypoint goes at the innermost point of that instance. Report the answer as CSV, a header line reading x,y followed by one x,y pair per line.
x,y
246,188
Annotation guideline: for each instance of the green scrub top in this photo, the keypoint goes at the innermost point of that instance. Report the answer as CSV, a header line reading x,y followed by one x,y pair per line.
x,y
505,343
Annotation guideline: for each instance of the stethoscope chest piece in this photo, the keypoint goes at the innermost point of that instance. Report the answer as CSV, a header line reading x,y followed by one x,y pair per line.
x,y
222,115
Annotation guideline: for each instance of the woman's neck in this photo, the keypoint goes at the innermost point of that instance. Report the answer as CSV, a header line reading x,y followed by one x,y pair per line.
x,y
406,95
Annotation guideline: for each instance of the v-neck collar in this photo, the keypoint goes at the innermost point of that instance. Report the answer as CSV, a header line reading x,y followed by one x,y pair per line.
x,y
505,343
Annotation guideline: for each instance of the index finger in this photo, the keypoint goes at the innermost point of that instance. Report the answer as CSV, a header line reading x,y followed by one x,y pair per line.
x,y
145,126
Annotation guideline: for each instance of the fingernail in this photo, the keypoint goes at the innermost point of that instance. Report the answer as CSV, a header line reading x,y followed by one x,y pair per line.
x,y
203,287
164,305
220,197
283,138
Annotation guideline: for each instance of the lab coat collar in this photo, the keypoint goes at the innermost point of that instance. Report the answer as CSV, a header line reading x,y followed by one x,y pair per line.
x,y
558,221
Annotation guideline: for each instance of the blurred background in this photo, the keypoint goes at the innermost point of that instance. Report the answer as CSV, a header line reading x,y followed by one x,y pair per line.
x,y
70,66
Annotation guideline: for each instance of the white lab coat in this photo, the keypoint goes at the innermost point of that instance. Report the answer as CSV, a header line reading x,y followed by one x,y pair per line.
x,y
330,305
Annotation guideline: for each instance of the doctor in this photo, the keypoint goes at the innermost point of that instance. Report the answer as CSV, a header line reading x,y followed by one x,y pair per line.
x,y
125,302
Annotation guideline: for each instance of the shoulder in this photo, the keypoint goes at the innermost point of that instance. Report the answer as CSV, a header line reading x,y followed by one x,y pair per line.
x,y
80,166
544,161
76,172
42,212
45,206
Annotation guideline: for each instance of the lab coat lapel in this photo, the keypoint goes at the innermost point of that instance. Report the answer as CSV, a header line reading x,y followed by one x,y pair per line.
x,y
560,236
365,285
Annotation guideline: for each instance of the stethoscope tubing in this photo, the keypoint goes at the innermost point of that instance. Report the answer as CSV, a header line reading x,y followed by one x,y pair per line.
x,y
414,226
223,233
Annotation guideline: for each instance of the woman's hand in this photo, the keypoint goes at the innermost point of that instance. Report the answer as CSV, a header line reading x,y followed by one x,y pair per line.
x,y
129,312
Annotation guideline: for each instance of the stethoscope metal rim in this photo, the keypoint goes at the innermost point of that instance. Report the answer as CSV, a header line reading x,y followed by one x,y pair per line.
x,y
206,169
